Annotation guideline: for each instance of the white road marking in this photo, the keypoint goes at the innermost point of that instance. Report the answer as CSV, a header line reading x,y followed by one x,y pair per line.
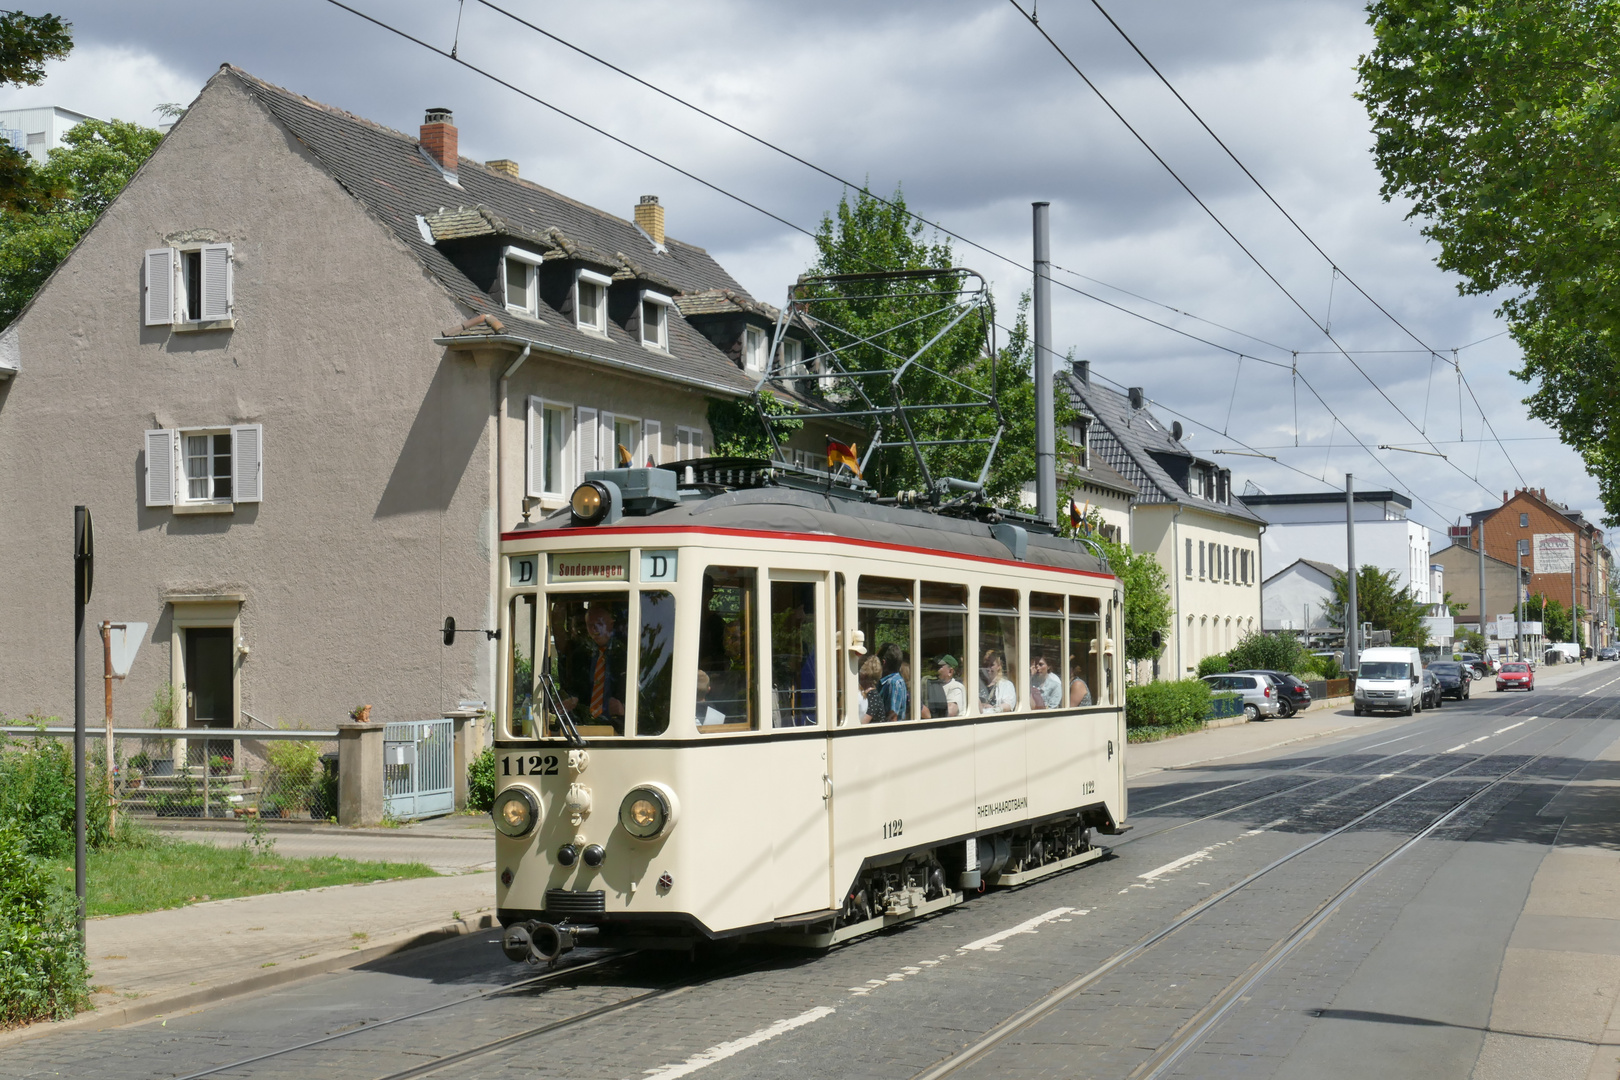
x,y
1482,738
1200,855
1403,738
1595,689
736,1046
1510,727
1454,749
1028,926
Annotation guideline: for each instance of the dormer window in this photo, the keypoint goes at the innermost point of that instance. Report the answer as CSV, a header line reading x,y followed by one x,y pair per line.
x,y
522,281
655,320
793,357
590,300
753,348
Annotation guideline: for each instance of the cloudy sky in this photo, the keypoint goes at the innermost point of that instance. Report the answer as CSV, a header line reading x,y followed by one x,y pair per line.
x,y
964,104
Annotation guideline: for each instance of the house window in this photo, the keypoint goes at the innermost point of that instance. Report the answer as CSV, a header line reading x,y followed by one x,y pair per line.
x,y
655,320
1188,562
753,348
626,442
590,301
205,468
1202,561
793,357
688,443
188,285
1524,521
522,269
550,430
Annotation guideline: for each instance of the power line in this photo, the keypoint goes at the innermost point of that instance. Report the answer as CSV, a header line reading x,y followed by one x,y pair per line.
x,y
1290,218
792,225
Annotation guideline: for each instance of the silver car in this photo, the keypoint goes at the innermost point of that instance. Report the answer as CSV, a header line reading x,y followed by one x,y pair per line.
x,y
1259,695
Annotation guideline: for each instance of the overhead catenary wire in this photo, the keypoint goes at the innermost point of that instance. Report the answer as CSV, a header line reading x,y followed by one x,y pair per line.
x,y
1289,217
800,229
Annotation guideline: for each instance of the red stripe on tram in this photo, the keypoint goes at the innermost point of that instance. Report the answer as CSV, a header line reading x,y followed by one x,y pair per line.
x,y
822,538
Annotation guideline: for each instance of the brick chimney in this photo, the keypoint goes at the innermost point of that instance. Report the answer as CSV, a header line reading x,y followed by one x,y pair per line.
x,y
439,137
505,165
650,216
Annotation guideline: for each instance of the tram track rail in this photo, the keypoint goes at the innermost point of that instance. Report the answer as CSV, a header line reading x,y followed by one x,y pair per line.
x,y
1193,1031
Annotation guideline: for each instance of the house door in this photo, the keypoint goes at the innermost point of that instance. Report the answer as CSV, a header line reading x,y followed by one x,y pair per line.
x,y
210,689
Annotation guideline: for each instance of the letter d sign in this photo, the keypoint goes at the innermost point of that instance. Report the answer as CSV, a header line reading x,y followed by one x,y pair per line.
x,y
523,571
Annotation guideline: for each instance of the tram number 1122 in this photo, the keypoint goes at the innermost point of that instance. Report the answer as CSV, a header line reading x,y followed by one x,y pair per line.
x,y
538,765
892,829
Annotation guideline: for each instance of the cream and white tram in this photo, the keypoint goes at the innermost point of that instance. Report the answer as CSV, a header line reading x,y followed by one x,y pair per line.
x,y
690,744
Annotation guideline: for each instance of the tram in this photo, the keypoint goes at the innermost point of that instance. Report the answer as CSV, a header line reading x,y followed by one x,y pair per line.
x,y
734,704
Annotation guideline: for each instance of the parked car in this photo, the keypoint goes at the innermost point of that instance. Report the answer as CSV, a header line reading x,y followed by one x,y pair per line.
x,y
1389,678
1608,652
1259,695
1431,690
1479,666
1516,675
1454,677
1292,694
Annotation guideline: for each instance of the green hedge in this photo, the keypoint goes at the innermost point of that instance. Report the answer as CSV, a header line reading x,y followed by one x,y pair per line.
x,y
42,969
1167,704
481,781
36,796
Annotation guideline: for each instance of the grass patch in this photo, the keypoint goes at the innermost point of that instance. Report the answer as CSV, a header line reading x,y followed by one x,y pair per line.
x,y
1155,732
170,874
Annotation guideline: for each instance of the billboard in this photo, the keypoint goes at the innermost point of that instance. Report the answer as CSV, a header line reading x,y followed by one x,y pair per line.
x,y
1555,553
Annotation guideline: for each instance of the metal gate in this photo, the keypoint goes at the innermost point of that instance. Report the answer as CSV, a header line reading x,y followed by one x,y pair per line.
x,y
418,769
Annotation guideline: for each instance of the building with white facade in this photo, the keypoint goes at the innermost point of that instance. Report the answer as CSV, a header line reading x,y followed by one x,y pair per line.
x,y
1296,599
36,132
1312,526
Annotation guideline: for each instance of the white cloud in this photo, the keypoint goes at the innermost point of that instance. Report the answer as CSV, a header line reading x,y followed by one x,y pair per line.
x,y
111,82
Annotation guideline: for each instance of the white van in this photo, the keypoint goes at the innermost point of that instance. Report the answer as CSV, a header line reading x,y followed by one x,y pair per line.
x,y
1389,679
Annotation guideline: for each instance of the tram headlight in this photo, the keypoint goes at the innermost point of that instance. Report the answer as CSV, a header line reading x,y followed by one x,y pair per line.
x,y
648,811
515,812
590,502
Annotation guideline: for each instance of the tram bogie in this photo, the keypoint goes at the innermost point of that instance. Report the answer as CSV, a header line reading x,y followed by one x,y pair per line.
x,y
690,746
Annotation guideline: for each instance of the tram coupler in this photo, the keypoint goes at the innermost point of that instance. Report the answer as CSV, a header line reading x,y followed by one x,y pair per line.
x,y
537,942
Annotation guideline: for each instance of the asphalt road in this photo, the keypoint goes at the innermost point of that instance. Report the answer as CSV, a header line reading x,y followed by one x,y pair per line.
x,y
1341,908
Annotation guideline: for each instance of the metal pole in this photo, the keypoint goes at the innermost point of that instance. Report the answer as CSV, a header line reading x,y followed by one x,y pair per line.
x,y
1518,600
1479,550
1575,594
80,514
108,745
1045,412
1350,611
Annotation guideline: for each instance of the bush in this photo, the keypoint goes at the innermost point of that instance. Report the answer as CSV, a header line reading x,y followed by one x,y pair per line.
x,y
42,969
481,781
1267,652
291,773
36,796
1167,704
1213,665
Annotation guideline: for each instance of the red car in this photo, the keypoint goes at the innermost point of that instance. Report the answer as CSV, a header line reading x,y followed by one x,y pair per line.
x,y
1515,677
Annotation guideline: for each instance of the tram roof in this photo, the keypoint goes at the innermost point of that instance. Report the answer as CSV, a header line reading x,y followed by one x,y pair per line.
x,y
810,515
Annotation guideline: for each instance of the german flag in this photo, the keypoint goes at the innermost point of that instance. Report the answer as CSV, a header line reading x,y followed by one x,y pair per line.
x,y
842,454
1075,516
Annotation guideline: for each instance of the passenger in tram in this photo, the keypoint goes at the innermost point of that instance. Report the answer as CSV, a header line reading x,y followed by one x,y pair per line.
x,y
892,700
1079,692
996,691
707,714
598,670
870,675
728,680
946,696
1045,688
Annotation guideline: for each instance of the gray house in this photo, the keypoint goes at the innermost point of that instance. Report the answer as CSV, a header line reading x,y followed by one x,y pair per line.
x,y
303,371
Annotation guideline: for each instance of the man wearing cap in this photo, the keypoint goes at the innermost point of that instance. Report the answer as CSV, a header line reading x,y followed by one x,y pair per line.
x,y
949,688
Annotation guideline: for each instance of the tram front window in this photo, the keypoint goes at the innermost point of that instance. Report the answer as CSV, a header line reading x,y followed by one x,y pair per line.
x,y
998,650
727,640
520,720
1046,690
793,654
586,656
1084,651
885,610
944,643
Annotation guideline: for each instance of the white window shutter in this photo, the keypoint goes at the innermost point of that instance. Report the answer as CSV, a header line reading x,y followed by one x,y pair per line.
x,y
160,465
585,441
607,454
247,463
534,473
216,282
159,286
652,443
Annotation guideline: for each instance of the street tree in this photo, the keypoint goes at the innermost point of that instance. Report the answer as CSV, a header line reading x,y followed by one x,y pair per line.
x,y
1144,585
26,42
1497,120
1382,601
866,234
84,176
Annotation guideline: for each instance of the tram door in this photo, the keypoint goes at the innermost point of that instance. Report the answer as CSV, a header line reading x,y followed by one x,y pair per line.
x,y
800,705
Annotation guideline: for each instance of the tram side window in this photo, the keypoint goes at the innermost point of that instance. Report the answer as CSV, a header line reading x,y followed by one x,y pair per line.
x,y
1046,690
885,614
1084,649
520,720
998,650
727,678
944,642
586,656
793,654
1111,634
656,662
